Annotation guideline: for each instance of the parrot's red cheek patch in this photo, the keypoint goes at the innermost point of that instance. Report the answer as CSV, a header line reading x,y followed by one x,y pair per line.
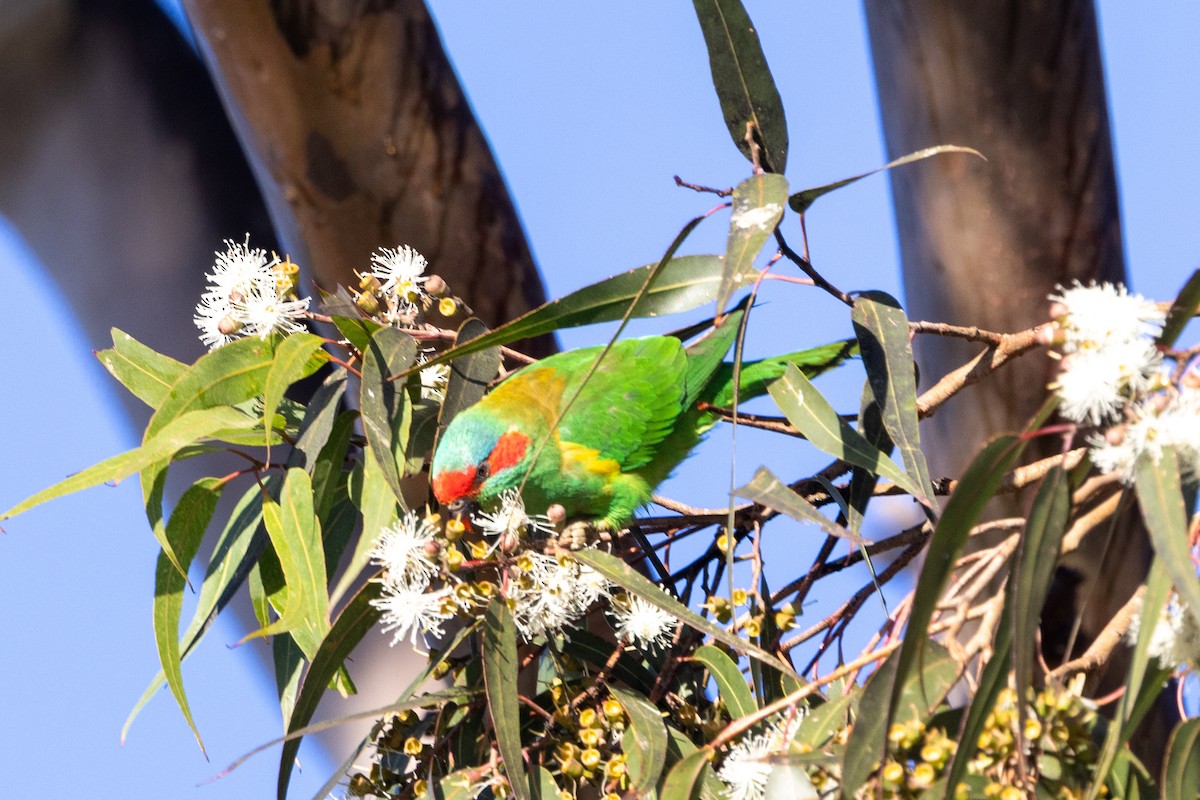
x,y
508,452
450,485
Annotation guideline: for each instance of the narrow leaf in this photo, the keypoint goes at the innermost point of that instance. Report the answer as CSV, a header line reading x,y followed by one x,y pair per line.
x,y
683,782
185,430
1033,570
383,402
185,531
1161,501
883,341
1182,311
590,648
296,537
977,486
801,201
500,681
684,283
993,679
629,579
469,374
377,503
646,746
731,685
745,88
358,331
812,415
758,204
1181,772
291,359
358,618
234,554
767,490
145,372
319,416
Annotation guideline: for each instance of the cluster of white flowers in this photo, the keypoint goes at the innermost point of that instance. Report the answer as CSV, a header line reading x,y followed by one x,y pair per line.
x,y
547,593
1107,339
642,622
248,295
1112,374
747,768
410,605
1176,638
400,272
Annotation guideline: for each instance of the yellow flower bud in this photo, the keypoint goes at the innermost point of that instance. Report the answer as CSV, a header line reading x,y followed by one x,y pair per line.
x,y
740,597
447,307
590,758
612,709
412,746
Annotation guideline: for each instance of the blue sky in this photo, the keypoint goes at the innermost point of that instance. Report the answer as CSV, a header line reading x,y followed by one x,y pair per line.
x,y
590,114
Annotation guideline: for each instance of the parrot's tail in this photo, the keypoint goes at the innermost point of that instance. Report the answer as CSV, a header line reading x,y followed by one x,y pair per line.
x,y
756,375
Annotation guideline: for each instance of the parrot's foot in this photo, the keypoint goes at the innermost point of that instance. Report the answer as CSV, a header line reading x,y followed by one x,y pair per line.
x,y
583,533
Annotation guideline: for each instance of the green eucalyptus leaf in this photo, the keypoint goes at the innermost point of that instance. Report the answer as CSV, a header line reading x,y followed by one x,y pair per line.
x,y
191,427
863,481
865,748
745,88
883,341
500,682
767,490
288,660
1161,500
328,470
758,204
296,537
384,405
812,415
1182,311
355,621
731,685
377,503
1033,570
591,649
1181,772
470,374
184,531
977,486
802,200
358,331
682,284
644,742
685,779
145,372
320,417
235,553
290,364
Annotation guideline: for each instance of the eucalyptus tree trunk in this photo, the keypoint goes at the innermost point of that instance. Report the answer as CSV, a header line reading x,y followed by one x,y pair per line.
x,y
984,243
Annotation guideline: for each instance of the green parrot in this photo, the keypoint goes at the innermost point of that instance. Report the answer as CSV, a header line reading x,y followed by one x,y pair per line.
x,y
639,414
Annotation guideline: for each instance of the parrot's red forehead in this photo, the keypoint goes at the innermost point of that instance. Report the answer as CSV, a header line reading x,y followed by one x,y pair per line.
x,y
508,452
450,485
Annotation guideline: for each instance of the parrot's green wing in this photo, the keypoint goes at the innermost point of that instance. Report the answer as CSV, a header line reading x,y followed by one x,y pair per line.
x,y
630,403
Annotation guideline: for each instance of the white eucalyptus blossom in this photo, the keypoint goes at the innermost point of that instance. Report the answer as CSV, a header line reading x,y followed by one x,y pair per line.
x,y
1106,336
1149,432
1176,638
401,550
512,518
641,622
747,766
244,298
434,380
409,611
1101,315
547,593
401,271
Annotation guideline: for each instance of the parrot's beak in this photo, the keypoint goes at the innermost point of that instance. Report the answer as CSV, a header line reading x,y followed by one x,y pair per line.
x,y
462,509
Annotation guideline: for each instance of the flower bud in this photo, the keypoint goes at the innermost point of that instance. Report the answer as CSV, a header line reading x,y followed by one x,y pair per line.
x,y
434,286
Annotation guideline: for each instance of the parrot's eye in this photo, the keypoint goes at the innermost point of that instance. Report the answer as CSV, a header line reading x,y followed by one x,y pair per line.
x,y
483,471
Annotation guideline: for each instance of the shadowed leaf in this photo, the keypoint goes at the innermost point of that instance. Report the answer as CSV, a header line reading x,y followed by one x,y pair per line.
x,y
767,490
646,748
808,410
500,681
743,81
731,685
802,200
1182,311
384,403
184,531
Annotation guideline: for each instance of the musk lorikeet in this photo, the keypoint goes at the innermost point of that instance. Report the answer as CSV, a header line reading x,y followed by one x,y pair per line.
x,y
639,414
